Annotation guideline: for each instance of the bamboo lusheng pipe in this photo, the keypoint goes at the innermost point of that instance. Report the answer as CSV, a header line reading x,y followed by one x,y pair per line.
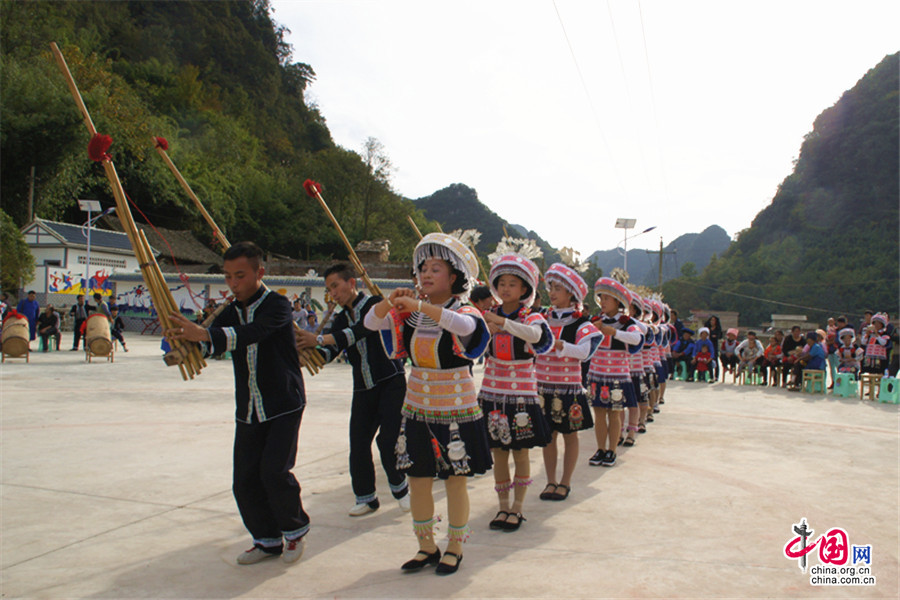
x,y
149,268
308,358
187,188
190,351
312,188
414,226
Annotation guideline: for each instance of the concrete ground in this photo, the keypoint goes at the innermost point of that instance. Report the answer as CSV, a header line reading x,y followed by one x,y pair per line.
x,y
116,484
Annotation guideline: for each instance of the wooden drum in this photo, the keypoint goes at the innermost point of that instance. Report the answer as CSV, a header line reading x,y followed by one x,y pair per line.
x,y
97,340
15,337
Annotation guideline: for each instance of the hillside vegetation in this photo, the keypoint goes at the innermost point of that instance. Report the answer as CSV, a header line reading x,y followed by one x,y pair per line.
x,y
216,79
828,242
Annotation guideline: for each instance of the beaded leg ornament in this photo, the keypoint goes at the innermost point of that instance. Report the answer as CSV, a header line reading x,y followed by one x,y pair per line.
x,y
522,481
458,535
403,460
523,428
425,529
456,452
576,417
503,486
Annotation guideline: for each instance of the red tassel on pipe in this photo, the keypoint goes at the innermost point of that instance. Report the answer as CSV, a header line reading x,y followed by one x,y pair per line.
x,y
312,188
162,143
98,146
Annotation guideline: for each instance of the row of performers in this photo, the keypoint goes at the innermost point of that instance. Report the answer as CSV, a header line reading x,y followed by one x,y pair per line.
x,y
547,374
435,424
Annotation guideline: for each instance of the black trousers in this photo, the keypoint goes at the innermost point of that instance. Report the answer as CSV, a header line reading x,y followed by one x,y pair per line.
x,y
376,411
267,493
77,331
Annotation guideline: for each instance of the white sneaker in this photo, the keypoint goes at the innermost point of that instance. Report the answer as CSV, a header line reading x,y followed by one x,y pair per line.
x,y
361,509
293,550
253,556
404,502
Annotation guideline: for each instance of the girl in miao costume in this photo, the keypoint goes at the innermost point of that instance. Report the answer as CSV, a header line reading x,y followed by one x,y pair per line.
x,y
609,376
441,433
849,354
514,417
638,412
877,343
559,374
662,335
652,358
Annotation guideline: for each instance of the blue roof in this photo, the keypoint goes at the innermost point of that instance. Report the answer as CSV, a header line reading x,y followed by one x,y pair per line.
x,y
75,234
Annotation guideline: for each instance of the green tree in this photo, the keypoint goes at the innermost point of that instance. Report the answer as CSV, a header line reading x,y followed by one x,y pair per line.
x,y
16,261
689,270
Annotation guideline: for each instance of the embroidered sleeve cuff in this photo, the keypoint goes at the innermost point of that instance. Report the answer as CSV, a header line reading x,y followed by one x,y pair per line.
x,y
222,339
344,338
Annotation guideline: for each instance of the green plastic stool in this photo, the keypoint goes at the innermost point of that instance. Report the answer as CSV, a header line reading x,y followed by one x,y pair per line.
x,y
51,340
845,385
680,371
889,392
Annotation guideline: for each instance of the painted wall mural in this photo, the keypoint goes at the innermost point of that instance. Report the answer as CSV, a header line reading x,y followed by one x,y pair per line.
x,y
61,281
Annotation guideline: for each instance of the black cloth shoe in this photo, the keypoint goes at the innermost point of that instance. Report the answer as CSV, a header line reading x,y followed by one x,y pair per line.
x,y
499,520
597,458
417,564
445,569
507,526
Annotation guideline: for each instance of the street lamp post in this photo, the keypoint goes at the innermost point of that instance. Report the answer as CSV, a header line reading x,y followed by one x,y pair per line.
x,y
626,224
90,206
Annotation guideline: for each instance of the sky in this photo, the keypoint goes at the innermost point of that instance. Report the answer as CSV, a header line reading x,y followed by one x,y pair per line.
x,y
566,115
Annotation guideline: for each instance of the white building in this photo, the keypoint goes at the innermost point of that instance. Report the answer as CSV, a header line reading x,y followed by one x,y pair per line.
x,y
60,255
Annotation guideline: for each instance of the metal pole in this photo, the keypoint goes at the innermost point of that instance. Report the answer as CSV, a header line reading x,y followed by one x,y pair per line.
x,y
626,249
31,196
87,266
659,281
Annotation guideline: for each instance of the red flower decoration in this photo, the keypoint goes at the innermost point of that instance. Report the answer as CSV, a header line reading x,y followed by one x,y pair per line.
x,y
12,314
98,146
623,319
162,143
312,188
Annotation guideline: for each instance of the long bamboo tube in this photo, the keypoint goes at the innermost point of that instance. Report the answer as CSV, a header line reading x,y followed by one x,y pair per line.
x,y
187,188
160,295
354,258
414,226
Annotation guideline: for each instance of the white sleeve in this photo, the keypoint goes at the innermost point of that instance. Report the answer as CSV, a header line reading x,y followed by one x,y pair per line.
x,y
529,333
578,351
456,323
374,323
632,338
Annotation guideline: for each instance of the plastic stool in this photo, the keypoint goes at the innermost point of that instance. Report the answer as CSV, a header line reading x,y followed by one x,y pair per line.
x,y
845,385
868,385
812,379
680,371
889,391
51,341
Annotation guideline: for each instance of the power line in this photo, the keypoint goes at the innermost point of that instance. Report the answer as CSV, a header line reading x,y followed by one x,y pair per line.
x,y
826,311
662,165
590,101
631,104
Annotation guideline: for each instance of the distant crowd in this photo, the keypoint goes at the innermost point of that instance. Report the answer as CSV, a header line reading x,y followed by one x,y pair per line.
x,y
46,324
709,354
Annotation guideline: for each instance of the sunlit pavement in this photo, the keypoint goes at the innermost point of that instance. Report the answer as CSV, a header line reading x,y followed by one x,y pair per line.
x,y
116,484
